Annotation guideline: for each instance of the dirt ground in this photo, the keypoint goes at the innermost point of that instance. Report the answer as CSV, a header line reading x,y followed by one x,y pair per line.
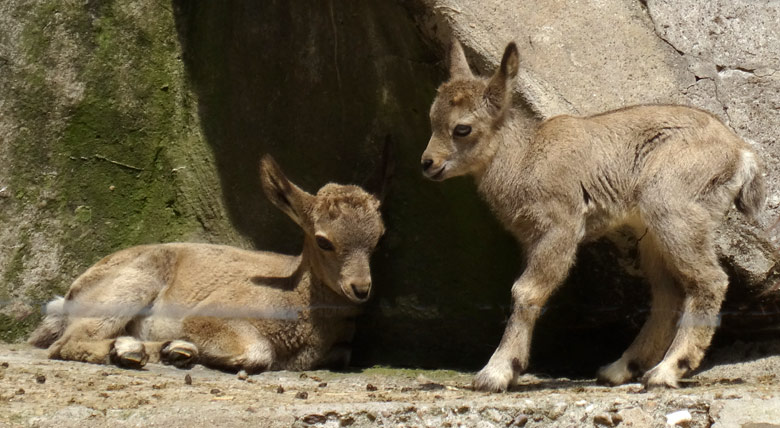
x,y
739,388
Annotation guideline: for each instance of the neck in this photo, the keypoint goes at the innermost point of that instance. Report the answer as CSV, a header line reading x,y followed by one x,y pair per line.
x,y
507,147
310,270
497,182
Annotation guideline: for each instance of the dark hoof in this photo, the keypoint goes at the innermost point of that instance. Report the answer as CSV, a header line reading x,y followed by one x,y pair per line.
x,y
181,357
131,360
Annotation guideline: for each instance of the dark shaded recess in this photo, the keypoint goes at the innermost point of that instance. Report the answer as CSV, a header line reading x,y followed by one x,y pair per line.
x,y
748,314
321,85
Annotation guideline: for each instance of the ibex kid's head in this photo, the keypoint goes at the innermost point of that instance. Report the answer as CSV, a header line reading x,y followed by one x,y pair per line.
x,y
342,226
467,112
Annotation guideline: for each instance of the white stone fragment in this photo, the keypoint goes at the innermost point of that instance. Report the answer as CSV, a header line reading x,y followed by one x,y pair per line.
x,y
681,418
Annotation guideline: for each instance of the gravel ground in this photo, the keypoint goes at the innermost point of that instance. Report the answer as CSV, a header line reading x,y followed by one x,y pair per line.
x,y
35,391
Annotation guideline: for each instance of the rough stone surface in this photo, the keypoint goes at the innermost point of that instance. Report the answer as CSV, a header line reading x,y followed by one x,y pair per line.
x,y
592,56
588,57
747,412
731,51
86,395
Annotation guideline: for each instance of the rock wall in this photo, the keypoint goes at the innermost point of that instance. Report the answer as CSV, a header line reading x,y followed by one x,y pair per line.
x,y
588,57
100,147
123,124
322,86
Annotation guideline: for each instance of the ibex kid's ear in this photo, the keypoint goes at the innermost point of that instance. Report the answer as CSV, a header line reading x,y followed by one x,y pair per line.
x,y
459,66
283,193
498,91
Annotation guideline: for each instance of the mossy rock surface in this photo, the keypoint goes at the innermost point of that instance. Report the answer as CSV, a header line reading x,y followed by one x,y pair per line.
x,y
101,146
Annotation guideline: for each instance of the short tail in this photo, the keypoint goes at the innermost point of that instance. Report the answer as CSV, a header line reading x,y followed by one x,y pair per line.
x,y
52,326
752,195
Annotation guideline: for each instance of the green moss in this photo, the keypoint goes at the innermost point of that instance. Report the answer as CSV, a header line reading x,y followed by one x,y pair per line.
x,y
115,145
436,375
15,330
103,120
15,267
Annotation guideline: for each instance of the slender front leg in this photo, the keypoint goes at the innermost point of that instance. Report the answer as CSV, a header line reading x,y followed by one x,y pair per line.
x,y
549,261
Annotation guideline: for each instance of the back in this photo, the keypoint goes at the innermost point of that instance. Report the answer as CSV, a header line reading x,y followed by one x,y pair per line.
x,y
611,158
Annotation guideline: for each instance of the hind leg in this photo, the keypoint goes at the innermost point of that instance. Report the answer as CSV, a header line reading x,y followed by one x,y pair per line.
x,y
658,331
685,236
93,340
229,344
98,308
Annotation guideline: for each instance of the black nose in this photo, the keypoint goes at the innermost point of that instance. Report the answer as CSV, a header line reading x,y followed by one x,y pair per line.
x,y
360,294
426,163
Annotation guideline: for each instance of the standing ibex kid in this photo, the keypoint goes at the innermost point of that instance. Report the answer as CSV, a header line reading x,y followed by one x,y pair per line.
x,y
227,307
668,172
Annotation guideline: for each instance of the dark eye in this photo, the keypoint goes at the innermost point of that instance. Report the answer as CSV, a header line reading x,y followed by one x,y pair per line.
x,y
461,130
324,244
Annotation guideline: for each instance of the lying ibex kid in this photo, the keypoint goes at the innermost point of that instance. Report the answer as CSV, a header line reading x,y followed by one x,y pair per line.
x,y
226,307
669,172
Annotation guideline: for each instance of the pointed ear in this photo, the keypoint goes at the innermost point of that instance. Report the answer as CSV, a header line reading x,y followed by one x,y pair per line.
x,y
459,66
283,193
499,89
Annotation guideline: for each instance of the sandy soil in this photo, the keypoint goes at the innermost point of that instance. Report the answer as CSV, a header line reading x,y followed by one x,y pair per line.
x,y
35,391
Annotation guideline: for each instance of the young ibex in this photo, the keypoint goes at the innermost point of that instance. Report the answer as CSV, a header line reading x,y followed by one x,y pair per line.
x,y
225,307
668,172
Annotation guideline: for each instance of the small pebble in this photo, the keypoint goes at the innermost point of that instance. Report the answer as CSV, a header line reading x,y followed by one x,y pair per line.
x,y
681,418
40,378
188,379
603,419
20,391
323,384
4,364
243,375
493,414
370,387
215,391
315,419
302,395
557,411
280,390
519,421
